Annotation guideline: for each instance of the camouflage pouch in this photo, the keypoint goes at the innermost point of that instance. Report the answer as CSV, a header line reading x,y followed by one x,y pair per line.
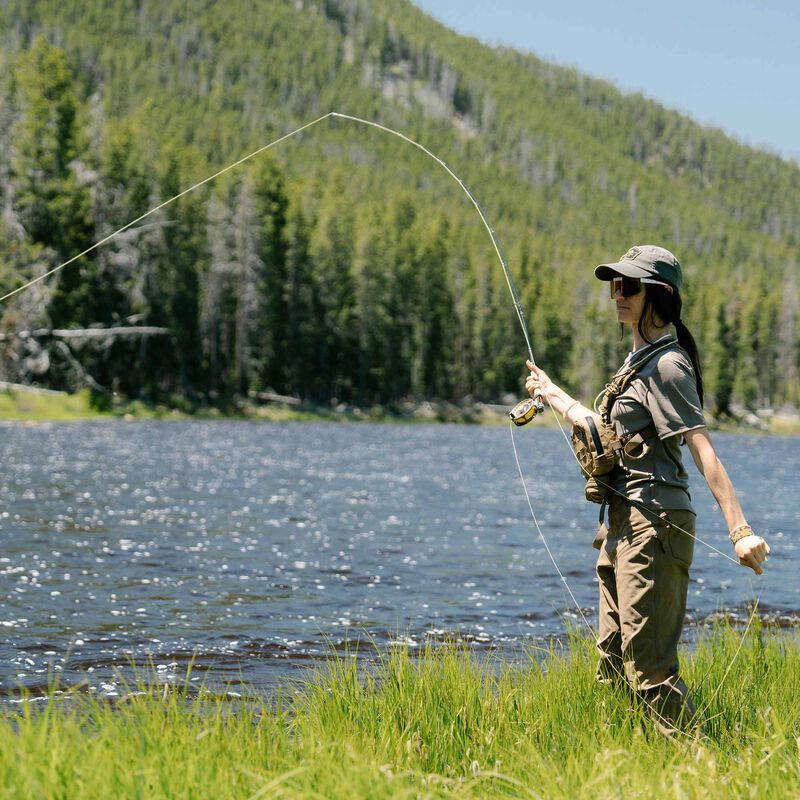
x,y
597,448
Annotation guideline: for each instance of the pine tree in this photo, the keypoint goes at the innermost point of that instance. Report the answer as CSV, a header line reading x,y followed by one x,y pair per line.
x,y
249,278
333,254
303,308
218,302
432,366
374,320
747,372
272,203
52,202
722,357
167,252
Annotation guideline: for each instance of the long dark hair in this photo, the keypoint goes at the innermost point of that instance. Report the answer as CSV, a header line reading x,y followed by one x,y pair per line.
x,y
665,305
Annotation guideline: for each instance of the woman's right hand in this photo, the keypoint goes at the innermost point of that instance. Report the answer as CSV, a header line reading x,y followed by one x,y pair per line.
x,y
538,382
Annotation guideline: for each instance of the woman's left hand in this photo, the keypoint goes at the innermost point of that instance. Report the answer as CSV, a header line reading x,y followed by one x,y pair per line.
x,y
752,552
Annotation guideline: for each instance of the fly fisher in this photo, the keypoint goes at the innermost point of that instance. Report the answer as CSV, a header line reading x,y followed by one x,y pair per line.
x,y
629,447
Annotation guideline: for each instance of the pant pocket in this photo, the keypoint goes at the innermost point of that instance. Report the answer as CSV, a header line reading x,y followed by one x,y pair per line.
x,y
679,535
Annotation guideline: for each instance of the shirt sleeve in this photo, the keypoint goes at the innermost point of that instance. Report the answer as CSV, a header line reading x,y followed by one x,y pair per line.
x,y
672,398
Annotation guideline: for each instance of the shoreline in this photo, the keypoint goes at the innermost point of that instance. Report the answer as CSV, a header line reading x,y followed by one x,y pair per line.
x,y
366,652
441,726
32,405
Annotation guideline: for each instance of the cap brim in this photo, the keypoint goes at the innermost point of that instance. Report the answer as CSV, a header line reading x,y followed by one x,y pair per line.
x,y
605,272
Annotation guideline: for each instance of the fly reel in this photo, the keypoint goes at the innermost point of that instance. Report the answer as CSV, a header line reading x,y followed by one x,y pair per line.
x,y
524,411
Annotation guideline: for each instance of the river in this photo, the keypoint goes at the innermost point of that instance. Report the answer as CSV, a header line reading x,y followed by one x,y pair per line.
x,y
255,548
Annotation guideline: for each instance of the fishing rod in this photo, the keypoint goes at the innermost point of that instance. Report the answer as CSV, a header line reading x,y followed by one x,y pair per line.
x,y
524,411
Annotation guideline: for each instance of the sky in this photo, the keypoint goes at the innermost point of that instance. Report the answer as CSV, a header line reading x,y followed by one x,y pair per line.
x,y
734,64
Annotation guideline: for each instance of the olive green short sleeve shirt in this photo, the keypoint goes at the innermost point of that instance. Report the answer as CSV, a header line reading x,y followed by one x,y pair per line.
x,y
663,394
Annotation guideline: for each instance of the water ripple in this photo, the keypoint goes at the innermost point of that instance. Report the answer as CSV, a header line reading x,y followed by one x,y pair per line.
x,y
249,549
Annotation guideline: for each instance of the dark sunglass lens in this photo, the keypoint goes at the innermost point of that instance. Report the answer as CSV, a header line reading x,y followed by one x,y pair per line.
x,y
627,287
630,286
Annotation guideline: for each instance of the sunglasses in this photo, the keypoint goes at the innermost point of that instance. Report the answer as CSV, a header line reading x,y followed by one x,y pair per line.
x,y
628,287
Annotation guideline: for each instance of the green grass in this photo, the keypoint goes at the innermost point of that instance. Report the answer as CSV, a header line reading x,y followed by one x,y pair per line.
x,y
440,725
25,406
22,406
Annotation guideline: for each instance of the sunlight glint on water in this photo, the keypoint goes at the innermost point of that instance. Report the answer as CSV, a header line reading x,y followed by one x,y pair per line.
x,y
257,546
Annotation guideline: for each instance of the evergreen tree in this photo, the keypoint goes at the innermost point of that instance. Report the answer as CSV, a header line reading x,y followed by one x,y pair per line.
x,y
721,359
747,371
432,365
218,302
249,279
504,337
337,346
402,293
169,251
553,325
374,321
788,368
52,201
303,309
463,311
272,203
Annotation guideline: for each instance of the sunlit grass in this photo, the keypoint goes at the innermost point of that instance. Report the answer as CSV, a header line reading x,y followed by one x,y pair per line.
x,y
437,724
17,405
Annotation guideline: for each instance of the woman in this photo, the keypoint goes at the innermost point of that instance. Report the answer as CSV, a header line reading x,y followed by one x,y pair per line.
x,y
647,548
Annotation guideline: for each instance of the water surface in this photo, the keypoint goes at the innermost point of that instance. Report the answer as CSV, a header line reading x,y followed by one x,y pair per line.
x,y
254,547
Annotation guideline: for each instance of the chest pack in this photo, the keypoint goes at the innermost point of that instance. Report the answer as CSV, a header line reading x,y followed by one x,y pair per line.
x,y
599,449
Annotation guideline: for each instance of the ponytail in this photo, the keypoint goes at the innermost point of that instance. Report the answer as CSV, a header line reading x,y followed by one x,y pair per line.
x,y
666,306
687,342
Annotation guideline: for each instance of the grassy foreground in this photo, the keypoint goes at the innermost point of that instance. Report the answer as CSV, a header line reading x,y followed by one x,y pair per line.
x,y
442,725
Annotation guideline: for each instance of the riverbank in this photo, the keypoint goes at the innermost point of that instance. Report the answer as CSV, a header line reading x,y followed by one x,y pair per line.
x,y
440,724
37,405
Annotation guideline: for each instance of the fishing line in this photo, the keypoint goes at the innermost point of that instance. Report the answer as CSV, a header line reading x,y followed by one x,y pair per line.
x,y
153,210
506,271
541,535
484,219
496,244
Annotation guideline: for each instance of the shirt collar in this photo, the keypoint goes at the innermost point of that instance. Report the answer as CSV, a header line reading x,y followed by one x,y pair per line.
x,y
634,355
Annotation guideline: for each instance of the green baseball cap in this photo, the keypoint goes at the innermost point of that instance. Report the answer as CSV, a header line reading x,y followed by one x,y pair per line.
x,y
644,261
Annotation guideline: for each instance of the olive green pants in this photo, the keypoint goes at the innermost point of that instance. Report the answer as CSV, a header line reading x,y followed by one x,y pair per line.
x,y
643,571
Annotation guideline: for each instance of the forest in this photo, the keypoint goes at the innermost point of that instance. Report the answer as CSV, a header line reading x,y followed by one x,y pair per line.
x,y
344,265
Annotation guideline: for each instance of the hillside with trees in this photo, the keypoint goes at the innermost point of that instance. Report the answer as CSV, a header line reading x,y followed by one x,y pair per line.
x,y
344,265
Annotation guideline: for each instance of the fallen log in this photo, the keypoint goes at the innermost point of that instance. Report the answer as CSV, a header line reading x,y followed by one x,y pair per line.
x,y
273,397
85,333
5,386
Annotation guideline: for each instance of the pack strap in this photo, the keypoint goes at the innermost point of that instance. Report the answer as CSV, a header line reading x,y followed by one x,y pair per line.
x,y
623,378
598,444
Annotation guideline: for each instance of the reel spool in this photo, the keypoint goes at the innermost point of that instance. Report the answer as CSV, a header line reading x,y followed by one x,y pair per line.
x,y
524,411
